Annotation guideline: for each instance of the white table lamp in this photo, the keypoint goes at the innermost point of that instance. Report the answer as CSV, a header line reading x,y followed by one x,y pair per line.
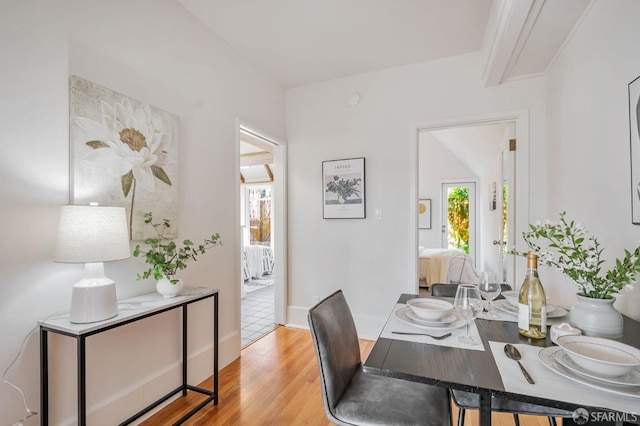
x,y
92,235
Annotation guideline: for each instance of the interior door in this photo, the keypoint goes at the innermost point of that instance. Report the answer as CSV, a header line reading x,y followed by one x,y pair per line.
x,y
459,219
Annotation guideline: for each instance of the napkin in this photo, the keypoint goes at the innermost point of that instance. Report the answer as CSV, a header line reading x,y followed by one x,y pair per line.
x,y
394,324
551,385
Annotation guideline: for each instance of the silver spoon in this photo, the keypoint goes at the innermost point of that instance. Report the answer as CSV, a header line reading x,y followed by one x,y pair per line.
x,y
444,336
512,352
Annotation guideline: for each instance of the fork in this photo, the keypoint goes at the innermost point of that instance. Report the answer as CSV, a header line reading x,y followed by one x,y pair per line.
x,y
444,336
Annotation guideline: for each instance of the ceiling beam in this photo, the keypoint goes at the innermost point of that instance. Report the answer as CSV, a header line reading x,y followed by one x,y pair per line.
x,y
509,27
269,172
256,158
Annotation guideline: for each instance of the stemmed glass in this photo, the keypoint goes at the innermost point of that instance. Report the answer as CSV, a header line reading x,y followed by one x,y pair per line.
x,y
469,305
489,289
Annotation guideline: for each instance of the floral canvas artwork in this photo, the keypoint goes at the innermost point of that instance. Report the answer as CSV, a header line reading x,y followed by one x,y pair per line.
x,y
634,131
123,153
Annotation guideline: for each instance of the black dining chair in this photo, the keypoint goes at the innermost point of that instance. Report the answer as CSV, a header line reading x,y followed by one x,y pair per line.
x,y
449,290
471,401
352,397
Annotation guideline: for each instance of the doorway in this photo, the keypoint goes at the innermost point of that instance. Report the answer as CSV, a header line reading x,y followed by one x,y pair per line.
x,y
505,171
261,219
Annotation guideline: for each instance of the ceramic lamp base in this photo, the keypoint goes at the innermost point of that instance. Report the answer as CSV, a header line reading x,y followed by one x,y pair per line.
x,y
93,303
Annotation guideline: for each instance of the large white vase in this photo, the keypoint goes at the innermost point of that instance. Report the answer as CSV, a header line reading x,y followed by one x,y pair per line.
x,y
597,317
167,289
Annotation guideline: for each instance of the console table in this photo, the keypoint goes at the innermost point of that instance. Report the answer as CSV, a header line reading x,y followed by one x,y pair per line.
x,y
129,310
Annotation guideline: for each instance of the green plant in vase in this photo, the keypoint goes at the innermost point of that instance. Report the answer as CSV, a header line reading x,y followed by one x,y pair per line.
x,y
165,256
566,247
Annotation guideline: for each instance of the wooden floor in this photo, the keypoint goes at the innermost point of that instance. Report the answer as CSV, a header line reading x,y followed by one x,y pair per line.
x,y
275,382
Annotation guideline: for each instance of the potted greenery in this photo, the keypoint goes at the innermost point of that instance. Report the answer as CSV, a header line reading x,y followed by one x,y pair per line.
x,y
167,258
566,247
344,188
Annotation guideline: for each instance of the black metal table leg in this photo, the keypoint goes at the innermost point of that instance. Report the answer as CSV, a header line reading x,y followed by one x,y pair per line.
x,y
485,409
44,378
215,349
184,350
82,382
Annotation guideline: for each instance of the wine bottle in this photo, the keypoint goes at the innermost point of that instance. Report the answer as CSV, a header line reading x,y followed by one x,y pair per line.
x,y
532,303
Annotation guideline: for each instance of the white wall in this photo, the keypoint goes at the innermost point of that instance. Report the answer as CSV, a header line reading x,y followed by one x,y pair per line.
x,y
588,135
153,51
371,260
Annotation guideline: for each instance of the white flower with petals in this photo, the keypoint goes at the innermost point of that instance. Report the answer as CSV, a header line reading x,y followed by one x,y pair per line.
x,y
135,143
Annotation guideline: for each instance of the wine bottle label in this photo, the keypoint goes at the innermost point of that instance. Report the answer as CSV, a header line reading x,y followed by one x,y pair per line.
x,y
543,319
523,316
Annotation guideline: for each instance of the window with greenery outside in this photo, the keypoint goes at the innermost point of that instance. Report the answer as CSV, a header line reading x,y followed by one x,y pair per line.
x,y
458,217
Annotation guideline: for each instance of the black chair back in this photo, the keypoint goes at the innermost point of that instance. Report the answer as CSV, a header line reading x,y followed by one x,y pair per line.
x,y
449,290
336,344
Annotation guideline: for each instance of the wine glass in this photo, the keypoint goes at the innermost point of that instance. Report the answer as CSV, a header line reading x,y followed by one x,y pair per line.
x,y
469,305
489,289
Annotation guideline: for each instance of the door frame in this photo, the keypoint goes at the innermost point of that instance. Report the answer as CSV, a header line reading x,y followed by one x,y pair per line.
x,y
279,221
521,118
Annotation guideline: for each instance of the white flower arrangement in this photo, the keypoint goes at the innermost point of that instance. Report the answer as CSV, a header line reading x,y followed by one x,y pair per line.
x,y
569,249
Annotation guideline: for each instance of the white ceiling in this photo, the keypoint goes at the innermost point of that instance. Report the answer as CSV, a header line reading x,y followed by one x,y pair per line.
x,y
301,42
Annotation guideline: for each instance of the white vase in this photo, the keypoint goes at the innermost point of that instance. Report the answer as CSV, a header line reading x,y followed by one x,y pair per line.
x,y
167,289
597,317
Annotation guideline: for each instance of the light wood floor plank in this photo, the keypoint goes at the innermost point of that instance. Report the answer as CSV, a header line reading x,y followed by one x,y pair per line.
x,y
276,382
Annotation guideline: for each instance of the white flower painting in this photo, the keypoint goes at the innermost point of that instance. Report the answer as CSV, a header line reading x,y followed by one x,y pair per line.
x,y
124,153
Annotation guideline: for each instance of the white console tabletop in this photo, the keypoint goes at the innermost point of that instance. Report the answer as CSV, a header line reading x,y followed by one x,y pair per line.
x,y
129,309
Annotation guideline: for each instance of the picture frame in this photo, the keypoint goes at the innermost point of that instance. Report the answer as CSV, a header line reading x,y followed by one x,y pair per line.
x,y
424,213
634,140
343,189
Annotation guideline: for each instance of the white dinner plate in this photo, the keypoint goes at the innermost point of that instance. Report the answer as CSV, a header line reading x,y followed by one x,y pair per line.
x,y
552,310
547,358
447,319
629,379
401,314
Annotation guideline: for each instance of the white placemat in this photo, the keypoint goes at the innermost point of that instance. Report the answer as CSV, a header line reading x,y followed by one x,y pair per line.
x,y
394,324
551,385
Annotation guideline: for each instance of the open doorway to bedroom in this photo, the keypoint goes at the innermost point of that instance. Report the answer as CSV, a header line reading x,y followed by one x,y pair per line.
x,y
466,172
258,257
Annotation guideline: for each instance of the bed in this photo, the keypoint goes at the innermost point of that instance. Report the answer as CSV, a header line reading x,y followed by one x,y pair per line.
x,y
438,265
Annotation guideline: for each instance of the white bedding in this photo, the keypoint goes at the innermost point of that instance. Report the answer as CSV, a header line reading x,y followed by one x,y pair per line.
x,y
438,265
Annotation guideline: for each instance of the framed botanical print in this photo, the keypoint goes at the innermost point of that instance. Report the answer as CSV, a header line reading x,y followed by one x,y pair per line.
x,y
343,189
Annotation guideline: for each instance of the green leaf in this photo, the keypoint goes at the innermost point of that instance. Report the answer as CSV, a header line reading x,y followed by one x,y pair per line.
x,y
160,174
127,182
96,144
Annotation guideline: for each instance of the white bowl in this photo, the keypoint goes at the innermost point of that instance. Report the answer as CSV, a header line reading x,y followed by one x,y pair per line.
x,y
430,309
511,296
604,357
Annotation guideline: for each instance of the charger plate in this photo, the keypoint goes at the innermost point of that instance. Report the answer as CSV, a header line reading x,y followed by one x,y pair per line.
x,y
546,356
401,314
629,379
552,310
